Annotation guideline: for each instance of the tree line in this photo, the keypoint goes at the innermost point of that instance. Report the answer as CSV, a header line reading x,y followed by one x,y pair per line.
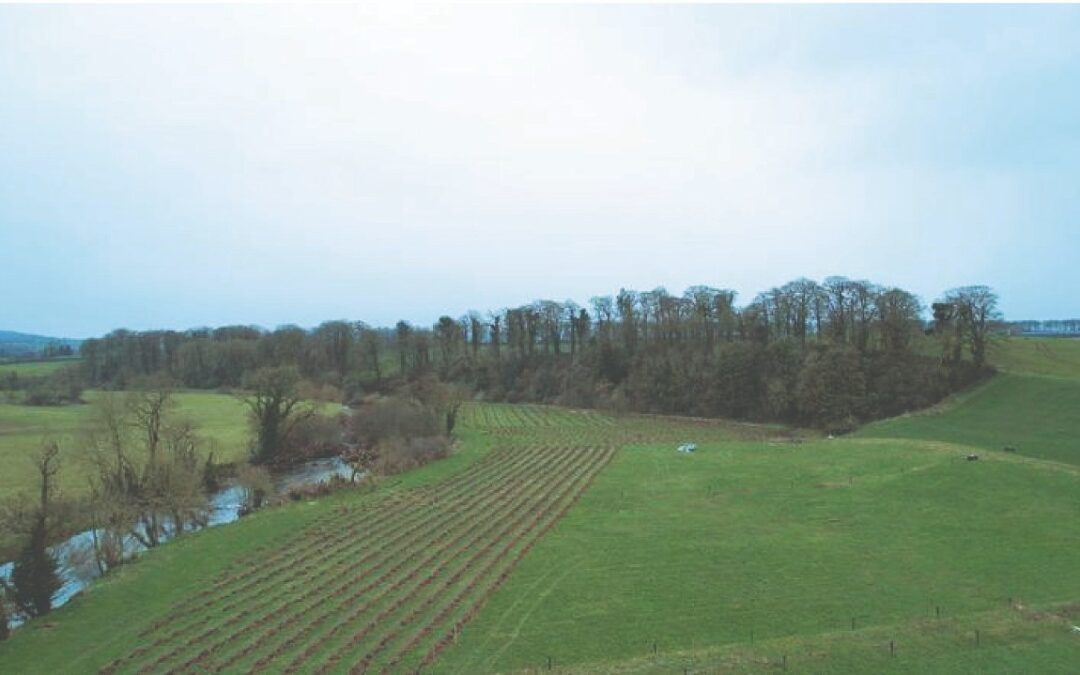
x,y
1070,327
829,354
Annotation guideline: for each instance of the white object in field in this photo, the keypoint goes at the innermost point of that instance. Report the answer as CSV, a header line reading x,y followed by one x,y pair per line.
x,y
688,447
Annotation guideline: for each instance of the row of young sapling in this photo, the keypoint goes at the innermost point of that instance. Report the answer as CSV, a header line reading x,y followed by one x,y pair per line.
x,y
431,568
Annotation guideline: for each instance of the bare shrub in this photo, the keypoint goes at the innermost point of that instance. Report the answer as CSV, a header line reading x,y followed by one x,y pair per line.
x,y
392,417
255,482
300,493
315,436
398,454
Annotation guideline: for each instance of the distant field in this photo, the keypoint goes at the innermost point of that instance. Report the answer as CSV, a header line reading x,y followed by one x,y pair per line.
x,y
220,417
1037,415
33,368
1059,357
1033,406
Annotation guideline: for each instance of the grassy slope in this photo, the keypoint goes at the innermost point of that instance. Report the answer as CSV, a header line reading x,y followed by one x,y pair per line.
x,y
1033,406
1009,640
1038,415
783,540
1058,357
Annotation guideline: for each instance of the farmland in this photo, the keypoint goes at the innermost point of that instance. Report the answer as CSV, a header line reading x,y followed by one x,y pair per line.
x,y
1057,357
1036,415
1033,407
581,539
35,368
219,417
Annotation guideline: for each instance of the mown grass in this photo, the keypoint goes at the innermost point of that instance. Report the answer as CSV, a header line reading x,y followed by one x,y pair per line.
x,y
782,540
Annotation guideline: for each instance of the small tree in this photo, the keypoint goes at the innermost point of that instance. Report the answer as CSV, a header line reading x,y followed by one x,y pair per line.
x,y
276,408
35,578
5,629
256,485
976,307
443,399
361,460
148,495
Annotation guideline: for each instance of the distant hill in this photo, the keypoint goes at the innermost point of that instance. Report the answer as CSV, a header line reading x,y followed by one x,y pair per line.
x,y
22,345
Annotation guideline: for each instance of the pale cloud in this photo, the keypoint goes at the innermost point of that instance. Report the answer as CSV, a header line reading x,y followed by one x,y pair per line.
x,y
285,163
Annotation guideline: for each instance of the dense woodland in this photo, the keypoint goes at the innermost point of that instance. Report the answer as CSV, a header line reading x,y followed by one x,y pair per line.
x,y
828,354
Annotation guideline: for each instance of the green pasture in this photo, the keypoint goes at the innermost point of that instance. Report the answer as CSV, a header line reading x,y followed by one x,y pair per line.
x,y
1057,357
221,418
35,368
785,542
1037,415
1033,405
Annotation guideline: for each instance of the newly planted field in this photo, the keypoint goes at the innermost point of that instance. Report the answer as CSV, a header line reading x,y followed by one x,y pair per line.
x,y
383,587
532,423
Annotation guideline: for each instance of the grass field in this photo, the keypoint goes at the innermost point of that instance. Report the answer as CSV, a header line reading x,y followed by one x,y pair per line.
x,y
1037,415
221,418
780,540
1057,357
584,541
1033,406
35,368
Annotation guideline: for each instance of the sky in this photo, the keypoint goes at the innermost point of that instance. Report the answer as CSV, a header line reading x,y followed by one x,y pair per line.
x,y
165,167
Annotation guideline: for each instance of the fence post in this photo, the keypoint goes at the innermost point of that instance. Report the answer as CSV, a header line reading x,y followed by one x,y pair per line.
x,y
892,648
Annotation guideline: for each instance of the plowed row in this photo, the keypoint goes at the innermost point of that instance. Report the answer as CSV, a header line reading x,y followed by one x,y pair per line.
x,y
498,416
552,424
383,587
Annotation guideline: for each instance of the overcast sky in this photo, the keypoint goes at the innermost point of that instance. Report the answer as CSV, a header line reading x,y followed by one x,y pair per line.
x,y
164,167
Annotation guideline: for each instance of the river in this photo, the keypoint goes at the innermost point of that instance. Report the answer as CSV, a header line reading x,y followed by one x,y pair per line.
x,y
76,554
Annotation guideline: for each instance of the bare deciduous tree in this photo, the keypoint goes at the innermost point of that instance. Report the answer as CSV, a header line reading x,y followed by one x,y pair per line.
x,y
276,408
